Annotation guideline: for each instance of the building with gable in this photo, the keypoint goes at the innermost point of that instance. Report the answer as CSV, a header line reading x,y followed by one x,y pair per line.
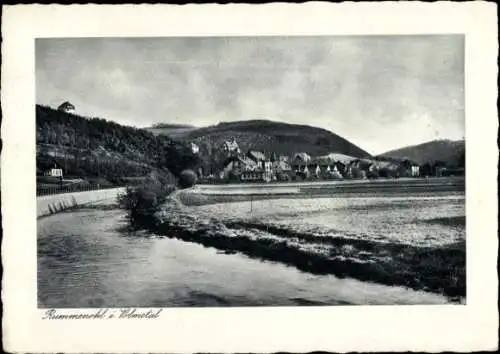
x,y
66,107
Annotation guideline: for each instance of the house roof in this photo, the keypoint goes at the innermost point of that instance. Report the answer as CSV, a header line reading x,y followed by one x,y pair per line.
x,y
322,160
302,156
229,160
231,145
281,165
256,155
65,106
244,160
248,161
337,157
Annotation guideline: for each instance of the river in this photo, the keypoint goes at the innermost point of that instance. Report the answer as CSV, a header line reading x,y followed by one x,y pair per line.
x,y
88,258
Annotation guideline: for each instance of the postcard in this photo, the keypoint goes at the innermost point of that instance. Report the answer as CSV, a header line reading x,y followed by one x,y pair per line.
x,y
250,178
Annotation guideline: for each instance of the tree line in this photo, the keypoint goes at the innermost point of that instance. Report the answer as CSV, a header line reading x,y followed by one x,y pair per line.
x,y
97,147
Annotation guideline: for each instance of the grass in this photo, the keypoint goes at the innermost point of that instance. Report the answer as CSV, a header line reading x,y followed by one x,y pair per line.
x,y
453,221
435,268
319,190
439,269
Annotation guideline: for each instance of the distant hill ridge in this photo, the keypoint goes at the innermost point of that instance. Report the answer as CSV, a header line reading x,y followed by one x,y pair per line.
x,y
173,131
172,126
451,152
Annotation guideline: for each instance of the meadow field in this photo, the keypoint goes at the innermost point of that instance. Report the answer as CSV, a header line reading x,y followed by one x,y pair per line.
x,y
396,234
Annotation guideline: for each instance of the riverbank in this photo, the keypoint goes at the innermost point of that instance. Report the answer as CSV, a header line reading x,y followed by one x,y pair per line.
x,y
52,204
106,264
396,238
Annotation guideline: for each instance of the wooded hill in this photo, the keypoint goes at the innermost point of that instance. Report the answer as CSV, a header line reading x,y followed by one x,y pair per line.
x,y
269,136
97,147
442,152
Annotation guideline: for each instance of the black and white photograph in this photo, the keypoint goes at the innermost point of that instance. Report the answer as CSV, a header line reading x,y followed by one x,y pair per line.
x,y
250,171
249,178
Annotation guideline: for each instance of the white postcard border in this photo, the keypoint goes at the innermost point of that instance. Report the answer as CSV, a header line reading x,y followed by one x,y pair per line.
x,y
343,328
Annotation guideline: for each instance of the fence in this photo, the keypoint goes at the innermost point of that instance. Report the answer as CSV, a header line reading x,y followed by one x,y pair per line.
x,y
41,191
51,186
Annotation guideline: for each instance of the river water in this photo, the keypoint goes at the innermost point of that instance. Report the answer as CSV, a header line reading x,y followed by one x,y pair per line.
x,y
88,258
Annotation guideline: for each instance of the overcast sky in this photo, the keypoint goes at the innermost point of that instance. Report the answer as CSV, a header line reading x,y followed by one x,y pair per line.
x,y
380,93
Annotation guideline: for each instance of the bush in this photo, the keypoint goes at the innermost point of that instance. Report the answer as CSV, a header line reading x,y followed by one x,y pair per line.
x,y
372,174
187,178
234,176
356,173
142,202
386,173
301,176
283,177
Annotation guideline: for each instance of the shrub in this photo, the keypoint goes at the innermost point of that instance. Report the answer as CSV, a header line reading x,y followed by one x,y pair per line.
x,y
356,173
372,174
187,178
301,176
337,175
283,177
234,175
386,173
142,202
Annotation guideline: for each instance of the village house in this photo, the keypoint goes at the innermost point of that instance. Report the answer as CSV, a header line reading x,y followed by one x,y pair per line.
x,y
280,164
359,168
440,171
264,164
260,159
236,165
326,166
257,175
314,167
66,107
231,147
194,148
338,164
300,163
54,172
408,168
253,166
256,166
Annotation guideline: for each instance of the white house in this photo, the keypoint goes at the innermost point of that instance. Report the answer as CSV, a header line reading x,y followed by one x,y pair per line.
x,y
300,162
54,172
231,146
195,148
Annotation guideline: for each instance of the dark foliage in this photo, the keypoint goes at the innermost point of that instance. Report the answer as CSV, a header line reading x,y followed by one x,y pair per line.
x,y
187,179
451,153
269,137
142,202
283,177
96,147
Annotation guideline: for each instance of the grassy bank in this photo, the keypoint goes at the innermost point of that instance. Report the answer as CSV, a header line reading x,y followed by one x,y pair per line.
x,y
435,268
